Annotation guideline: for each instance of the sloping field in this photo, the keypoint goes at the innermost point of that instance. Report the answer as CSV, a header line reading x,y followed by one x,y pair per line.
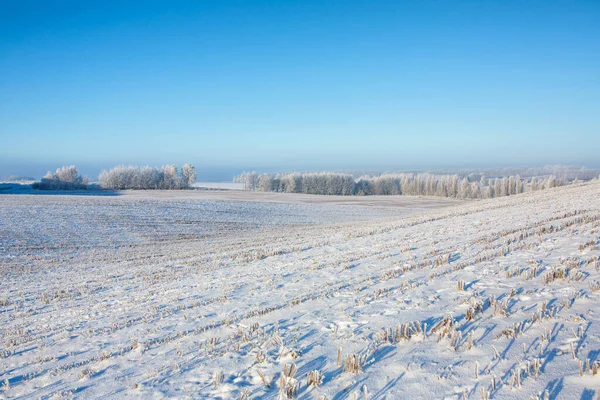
x,y
133,297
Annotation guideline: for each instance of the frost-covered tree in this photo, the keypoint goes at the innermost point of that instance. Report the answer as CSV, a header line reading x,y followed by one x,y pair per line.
x,y
171,178
498,188
476,192
264,183
473,186
551,182
188,173
512,186
65,178
454,186
364,187
483,181
534,184
145,178
505,186
291,183
464,189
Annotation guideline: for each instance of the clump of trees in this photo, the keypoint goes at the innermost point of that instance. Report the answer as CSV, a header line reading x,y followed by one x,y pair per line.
x,y
65,178
148,178
410,184
330,183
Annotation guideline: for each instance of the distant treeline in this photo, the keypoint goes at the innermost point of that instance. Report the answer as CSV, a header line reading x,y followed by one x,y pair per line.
x,y
410,184
122,177
564,173
147,178
65,178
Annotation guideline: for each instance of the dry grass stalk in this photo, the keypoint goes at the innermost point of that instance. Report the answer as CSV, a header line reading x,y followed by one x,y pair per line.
x,y
512,332
588,366
288,385
217,379
536,367
485,395
445,327
530,273
405,331
594,286
515,380
315,378
353,364
455,339
85,373
263,378
260,357
470,314
501,308
496,354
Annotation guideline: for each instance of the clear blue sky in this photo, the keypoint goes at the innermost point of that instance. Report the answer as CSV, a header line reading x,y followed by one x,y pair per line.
x,y
229,85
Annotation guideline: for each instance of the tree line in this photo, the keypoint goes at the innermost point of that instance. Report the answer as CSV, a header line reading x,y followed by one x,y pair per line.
x,y
167,177
409,184
65,178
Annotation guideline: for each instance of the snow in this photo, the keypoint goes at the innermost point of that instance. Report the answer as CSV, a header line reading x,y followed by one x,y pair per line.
x,y
219,185
155,295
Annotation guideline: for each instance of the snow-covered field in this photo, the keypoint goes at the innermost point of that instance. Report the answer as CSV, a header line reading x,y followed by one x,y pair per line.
x,y
220,185
170,296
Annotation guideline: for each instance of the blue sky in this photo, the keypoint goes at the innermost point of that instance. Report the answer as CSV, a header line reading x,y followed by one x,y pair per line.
x,y
231,85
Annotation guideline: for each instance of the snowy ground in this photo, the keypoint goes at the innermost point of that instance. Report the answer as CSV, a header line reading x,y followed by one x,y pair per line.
x,y
176,297
220,185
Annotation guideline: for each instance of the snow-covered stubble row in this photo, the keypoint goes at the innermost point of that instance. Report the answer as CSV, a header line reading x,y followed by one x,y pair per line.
x,y
491,299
